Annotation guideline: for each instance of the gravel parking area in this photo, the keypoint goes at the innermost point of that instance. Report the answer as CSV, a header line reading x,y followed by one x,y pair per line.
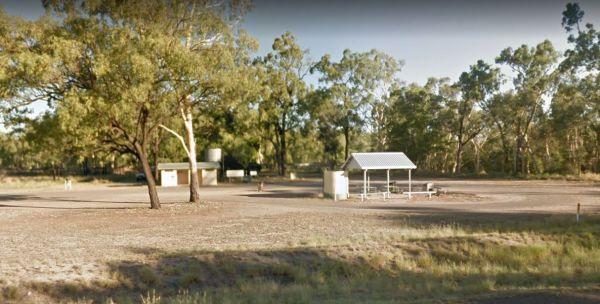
x,y
56,235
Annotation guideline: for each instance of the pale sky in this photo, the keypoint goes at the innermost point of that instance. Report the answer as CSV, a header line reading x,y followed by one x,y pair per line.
x,y
433,38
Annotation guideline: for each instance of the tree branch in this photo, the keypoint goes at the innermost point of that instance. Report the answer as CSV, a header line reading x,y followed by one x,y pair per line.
x,y
181,139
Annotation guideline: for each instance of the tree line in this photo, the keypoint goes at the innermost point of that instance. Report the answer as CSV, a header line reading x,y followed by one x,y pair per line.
x,y
138,82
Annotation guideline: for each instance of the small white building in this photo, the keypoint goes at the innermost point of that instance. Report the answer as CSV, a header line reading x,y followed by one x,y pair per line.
x,y
174,174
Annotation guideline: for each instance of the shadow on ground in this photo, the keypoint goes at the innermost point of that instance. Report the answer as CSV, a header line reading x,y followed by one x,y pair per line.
x,y
5,202
13,197
284,194
308,275
502,222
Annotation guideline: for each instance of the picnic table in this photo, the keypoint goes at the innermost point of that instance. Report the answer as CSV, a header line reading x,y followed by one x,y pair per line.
x,y
426,188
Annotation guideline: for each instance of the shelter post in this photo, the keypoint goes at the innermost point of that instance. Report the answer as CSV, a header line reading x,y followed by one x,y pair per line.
x,y
364,184
347,174
388,183
409,185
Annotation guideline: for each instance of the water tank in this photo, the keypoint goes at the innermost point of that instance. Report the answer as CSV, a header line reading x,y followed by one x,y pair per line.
x,y
335,185
213,155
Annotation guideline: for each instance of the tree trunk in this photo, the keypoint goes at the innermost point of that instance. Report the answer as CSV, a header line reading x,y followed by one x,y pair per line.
x,y
346,142
514,162
53,171
150,181
155,147
459,148
476,158
191,141
282,154
458,162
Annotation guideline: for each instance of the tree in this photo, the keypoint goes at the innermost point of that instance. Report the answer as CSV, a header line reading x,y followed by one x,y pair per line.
x,y
575,108
499,116
100,75
585,40
357,84
475,86
49,142
24,64
324,114
418,121
193,40
535,76
283,72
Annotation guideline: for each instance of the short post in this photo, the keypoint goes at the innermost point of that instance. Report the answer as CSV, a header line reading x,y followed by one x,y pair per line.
x,y
261,186
578,211
68,184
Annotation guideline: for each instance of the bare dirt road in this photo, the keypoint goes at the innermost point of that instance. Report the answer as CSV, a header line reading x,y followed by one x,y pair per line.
x,y
56,235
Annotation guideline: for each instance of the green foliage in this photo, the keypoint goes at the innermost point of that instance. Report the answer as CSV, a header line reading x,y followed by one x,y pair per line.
x,y
476,86
282,73
357,86
114,72
419,123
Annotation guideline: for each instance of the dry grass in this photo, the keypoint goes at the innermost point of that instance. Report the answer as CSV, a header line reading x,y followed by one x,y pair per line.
x,y
275,248
420,262
42,181
588,177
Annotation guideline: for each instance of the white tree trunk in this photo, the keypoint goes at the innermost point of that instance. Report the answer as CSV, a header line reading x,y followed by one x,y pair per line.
x,y
191,147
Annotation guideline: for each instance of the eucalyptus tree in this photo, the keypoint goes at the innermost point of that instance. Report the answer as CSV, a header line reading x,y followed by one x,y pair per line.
x,y
535,76
573,119
9,151
499,117
193,41
575,108
227,117
418,122
102,76
357,82
283,71
24,65
585,40
122,103
49,142
476,85
324,115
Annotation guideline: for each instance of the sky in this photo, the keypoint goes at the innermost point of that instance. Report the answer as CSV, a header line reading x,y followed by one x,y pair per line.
x,y
433,38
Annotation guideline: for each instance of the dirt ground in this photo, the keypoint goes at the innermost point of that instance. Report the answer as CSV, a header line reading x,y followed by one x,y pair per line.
x,y
51,235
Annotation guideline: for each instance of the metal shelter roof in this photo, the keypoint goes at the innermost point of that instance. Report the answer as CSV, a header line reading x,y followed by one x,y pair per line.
x,y
378,160
186,166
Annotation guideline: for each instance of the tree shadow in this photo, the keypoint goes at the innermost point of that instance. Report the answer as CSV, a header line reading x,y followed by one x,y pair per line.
x,y
284,194
481,221
13,197
65,208
34,198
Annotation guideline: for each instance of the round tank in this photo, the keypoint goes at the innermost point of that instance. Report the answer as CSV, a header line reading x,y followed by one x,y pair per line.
x,y
213,155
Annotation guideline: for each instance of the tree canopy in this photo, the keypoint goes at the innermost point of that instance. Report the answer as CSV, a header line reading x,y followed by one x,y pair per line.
x,y
132,83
